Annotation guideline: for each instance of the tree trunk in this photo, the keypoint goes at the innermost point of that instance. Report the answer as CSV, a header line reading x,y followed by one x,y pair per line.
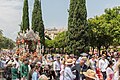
x,y
106,48
93,50
99,47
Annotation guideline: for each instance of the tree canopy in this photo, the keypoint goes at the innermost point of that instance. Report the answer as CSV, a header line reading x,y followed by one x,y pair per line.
x,y
58,42
25,18
37,22
6,43
77,27
104,30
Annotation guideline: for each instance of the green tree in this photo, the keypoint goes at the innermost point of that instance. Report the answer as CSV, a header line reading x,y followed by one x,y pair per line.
x,y
105,29
6,43
1,39
99,33
37,22
92,34
49,43
25,17
77,29
112,18
1,32
71,13
60,40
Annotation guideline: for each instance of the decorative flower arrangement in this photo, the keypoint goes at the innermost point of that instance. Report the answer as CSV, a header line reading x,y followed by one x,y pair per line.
x,y
29,38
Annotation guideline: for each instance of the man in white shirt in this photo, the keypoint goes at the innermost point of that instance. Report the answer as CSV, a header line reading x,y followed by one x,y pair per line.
x,y
93,63
17,62
103,64
56,67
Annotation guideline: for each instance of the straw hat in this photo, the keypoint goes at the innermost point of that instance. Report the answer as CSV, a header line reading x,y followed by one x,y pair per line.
x,y
84,59
43,77
84,54
90,74
69,62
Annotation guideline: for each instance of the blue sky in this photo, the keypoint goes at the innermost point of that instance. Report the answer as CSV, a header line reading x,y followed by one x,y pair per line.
x,y
54,13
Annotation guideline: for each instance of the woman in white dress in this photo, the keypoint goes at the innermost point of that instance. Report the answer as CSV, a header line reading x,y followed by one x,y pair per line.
x,y
62,70
110,71
117,70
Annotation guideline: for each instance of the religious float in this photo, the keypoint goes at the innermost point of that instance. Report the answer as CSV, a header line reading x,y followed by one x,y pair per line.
x,y
28,42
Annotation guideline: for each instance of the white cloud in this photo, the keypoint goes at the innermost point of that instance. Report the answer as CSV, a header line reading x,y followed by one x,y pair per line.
x,y
10,17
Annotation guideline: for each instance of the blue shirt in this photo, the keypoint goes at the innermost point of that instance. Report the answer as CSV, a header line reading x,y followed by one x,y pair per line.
x,y
68,75
35,76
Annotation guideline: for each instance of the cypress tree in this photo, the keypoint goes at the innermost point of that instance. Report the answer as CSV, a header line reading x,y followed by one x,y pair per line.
x,y
25,17
77,28
70,24
37,22
71,12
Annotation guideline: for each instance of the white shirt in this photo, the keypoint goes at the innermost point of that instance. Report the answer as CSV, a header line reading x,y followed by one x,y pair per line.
x,y
62,72
103,64
68,75
92,64
110,73
17,64
56,66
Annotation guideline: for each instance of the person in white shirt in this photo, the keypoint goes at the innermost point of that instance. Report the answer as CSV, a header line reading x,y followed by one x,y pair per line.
x,y
56,67
110,71
103,64
93,63
62,70
17,62
68,75
116,70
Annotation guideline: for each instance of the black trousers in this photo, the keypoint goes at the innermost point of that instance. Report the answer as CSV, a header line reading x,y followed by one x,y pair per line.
x,y
104,75
58,75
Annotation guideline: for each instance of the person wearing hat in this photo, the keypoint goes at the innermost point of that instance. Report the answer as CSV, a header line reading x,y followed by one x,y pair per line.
x,y
68,75
80,68
56,67
62,69
90,75
43,77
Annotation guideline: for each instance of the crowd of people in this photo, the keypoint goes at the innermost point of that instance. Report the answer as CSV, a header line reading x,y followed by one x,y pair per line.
x,y
60,66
